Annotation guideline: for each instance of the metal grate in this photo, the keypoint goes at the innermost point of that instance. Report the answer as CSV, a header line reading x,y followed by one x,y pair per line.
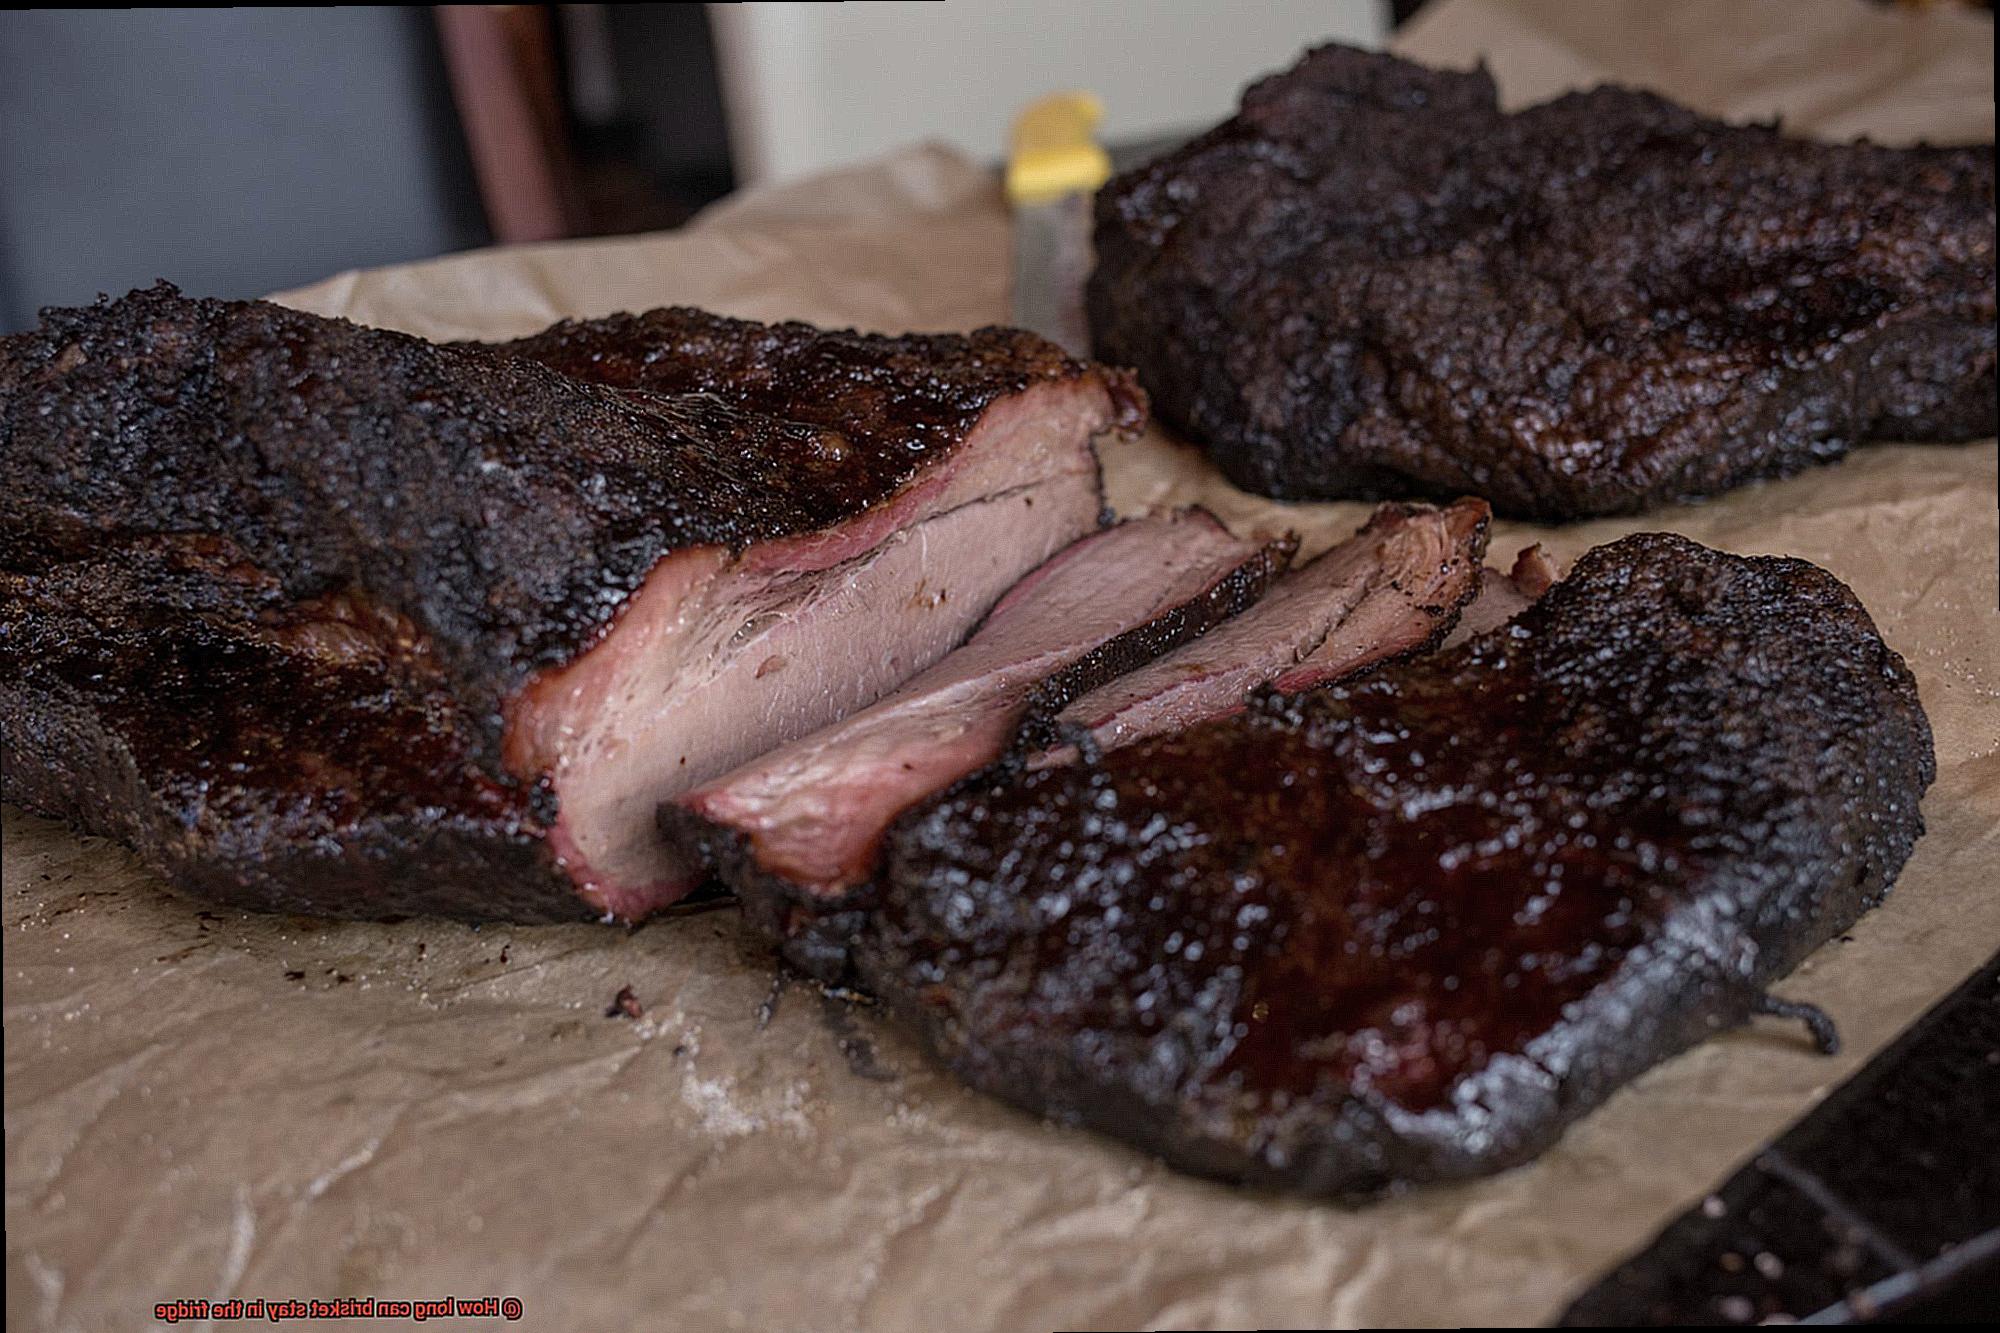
x,y
1884,1202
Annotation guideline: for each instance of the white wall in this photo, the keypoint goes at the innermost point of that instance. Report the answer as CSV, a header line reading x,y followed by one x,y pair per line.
x,y
812,85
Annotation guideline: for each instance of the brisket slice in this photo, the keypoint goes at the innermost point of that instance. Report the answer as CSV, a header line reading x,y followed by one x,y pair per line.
x,y
1408,929
1373,283
797,831
1502,596
597,594
1394,588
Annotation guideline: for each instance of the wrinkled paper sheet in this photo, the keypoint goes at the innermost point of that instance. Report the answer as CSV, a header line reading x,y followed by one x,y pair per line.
x,y
210,1104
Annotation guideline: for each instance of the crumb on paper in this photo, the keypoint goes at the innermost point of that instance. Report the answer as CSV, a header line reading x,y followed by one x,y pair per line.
x,y
625,1003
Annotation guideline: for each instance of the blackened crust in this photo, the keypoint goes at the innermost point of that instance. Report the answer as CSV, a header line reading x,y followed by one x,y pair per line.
x,y
899,397
1372,283
503,507
1407,930
257,752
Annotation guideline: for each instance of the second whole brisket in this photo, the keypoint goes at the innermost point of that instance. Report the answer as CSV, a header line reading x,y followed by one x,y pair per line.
x,y
1374,283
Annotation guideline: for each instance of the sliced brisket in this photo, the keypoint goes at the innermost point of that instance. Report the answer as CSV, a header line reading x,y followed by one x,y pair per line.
x,y
1408,929
1373,283
796,830
1502,596
1395,587
593,594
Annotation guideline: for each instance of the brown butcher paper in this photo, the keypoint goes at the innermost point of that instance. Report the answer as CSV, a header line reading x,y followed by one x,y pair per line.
x,y
204,1104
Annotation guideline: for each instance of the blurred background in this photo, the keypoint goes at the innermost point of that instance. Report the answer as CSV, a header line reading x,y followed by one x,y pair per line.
x,y
239,151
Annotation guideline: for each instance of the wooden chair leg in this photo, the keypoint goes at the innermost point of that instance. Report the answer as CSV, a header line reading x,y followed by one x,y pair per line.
x,y
505,84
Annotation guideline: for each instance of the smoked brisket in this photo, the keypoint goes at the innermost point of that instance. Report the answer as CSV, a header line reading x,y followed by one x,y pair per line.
x,y
333,619
1407,929
1373,283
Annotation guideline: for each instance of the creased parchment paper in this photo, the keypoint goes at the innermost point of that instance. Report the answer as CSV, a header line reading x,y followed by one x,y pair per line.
x,y
208,1104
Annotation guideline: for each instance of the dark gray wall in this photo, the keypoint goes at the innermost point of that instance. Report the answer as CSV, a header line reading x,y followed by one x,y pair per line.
x,y
232,151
